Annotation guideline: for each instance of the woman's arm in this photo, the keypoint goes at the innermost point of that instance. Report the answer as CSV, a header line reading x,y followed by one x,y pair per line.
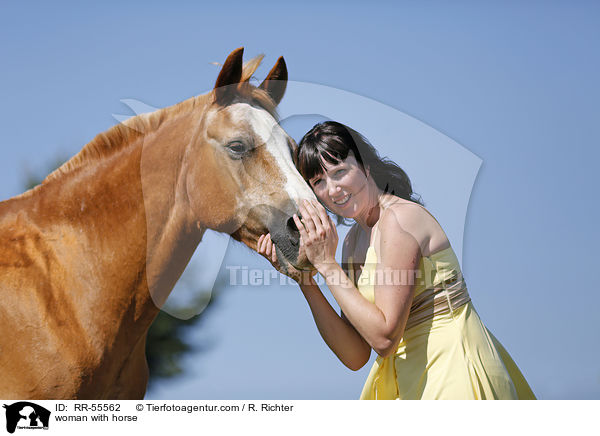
x,y
336,331
380,324
339,335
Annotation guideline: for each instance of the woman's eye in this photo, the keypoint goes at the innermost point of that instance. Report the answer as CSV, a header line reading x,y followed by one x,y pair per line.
x,y
317,182
340,172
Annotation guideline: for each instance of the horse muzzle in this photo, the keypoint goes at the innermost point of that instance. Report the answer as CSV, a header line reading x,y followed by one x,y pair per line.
x,y
284,234
286,237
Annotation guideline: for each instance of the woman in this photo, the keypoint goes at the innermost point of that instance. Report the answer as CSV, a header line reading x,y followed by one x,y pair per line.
x,y
400,287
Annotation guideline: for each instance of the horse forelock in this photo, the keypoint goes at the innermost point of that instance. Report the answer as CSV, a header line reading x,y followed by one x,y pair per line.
x,y
250,67
245,92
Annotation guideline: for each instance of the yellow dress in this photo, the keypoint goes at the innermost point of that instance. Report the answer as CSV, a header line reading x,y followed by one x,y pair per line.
x,y
449,355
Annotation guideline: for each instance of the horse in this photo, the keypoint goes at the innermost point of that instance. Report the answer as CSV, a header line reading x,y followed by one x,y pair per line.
x,y
88,257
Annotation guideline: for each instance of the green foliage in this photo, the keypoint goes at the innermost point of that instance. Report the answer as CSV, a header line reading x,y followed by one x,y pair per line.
x,y
33,178
167,341
165,345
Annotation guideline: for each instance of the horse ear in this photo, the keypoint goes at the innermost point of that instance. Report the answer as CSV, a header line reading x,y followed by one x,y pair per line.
x,y
276,81
230,74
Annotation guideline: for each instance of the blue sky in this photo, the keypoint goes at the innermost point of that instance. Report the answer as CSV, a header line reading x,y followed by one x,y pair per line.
x,y
514,84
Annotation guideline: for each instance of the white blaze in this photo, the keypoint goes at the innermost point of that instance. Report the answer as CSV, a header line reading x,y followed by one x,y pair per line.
x,y
275,140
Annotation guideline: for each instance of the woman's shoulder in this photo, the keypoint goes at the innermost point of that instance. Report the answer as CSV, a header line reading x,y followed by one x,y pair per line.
x,y
400,214
403,216
397,240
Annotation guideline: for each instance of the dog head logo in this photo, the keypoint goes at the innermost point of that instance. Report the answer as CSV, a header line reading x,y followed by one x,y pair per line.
x,y
26,415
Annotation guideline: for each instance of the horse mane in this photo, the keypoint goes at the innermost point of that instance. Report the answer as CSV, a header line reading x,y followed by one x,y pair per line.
x,y
120,136
127,132
248,92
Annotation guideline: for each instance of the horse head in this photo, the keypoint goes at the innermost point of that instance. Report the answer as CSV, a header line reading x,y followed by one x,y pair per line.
x,y
245,182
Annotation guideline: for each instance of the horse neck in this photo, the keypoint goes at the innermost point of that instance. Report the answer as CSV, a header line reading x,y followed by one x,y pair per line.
x,y
119,224
172,232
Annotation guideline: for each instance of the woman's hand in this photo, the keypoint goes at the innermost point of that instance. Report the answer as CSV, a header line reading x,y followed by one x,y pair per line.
x,y
266,248
318,234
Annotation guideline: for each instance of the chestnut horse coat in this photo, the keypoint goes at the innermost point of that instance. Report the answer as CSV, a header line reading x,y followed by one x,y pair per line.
x,y
88,257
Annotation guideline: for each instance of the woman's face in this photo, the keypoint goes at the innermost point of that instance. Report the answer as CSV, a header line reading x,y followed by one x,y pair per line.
x,y
342,187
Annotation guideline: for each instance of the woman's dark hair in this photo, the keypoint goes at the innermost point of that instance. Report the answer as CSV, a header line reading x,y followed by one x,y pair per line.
x,y
332,141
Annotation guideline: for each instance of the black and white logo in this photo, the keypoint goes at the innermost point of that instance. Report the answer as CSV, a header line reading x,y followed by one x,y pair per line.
x,y
26,415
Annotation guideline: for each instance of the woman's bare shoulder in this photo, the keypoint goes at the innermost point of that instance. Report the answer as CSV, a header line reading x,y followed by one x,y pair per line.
x,y
396,241
416,220
403,214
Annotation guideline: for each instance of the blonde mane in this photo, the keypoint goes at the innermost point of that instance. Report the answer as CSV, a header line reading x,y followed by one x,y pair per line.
x,y
121,135
126,133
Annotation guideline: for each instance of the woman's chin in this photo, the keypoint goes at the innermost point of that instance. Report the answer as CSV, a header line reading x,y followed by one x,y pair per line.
x,y
350,212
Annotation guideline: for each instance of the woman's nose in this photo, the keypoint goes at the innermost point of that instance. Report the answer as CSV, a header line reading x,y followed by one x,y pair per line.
x,y
333,189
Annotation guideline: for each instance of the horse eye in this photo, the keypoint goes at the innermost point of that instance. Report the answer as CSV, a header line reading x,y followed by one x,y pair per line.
x,y
236,148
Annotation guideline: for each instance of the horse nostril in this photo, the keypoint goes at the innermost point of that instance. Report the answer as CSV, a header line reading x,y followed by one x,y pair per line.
x,y
291,226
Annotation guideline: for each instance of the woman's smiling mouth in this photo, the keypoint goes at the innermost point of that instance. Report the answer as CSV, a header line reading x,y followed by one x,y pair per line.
x,y
343,200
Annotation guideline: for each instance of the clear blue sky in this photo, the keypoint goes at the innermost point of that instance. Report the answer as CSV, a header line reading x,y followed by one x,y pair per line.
x,y
515,84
